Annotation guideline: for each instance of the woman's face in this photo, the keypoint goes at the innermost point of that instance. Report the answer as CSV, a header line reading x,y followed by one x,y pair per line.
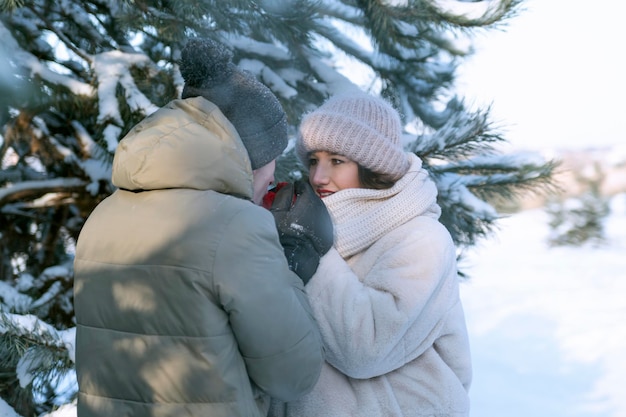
x,y
262,178
329,173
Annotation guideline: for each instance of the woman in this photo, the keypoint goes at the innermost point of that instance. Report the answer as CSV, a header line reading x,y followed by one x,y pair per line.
x,y
386,296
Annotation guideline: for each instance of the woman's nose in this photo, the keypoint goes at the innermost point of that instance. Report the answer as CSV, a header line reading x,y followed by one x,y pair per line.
x,y
319,176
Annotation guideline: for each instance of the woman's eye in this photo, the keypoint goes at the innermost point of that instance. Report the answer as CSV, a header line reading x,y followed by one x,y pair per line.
x,y
312,162
337,161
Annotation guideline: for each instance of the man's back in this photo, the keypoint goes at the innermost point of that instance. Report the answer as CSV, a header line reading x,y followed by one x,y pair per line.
x,y
182,298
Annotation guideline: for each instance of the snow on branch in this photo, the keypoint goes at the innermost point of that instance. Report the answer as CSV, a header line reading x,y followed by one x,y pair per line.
x,y
20,58
6,410
13,299
253,47
499,175
30,188
458,194
87,144
332,81
113,68
341,11
66,410
341,41
462,135
45,347
269,76
276,83
32,327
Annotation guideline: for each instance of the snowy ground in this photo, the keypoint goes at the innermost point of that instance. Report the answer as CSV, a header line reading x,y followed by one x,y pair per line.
x,y
548,325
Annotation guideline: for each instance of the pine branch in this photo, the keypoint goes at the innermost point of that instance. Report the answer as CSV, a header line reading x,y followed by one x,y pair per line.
x,y
472,15
35,189
61,35
344,44
35,355
466,217
10,5
497,174
461,136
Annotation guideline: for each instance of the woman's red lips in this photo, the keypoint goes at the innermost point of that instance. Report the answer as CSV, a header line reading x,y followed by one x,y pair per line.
x,y
324,193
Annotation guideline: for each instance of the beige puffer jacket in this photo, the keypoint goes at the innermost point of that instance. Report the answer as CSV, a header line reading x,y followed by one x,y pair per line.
x,y
185,305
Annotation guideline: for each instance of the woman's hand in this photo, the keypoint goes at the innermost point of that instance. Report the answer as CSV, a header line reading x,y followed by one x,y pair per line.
x,y
304,227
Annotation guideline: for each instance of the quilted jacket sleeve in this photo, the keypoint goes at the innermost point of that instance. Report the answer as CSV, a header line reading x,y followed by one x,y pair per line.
x,y
267,306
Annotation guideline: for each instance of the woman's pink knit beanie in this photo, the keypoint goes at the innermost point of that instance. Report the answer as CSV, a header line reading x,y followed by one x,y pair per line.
x,y
359,126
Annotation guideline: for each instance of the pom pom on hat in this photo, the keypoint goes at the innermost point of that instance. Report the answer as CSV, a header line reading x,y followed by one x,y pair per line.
x,y
361,127
256,113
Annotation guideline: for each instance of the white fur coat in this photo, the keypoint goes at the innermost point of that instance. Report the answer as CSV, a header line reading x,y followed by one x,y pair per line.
x,y
387,301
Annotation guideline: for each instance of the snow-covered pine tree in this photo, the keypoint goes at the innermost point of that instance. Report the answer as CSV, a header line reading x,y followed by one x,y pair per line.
x,y
579,221
77,75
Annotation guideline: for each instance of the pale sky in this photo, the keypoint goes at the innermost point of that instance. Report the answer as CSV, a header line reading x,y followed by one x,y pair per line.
x,y
555,75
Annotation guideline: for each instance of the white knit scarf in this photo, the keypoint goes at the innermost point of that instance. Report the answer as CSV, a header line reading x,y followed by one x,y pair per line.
x,y
363,215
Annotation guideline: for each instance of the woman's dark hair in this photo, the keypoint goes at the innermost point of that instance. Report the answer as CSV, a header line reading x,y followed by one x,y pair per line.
x,y
376,181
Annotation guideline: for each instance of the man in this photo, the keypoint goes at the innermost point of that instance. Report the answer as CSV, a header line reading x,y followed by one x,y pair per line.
x,y
185,303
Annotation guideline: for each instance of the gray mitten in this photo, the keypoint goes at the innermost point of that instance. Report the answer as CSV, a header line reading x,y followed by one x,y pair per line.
x,y
304,227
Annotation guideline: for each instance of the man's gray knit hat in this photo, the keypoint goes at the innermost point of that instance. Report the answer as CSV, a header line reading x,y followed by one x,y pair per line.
x,y
251,107
359,126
